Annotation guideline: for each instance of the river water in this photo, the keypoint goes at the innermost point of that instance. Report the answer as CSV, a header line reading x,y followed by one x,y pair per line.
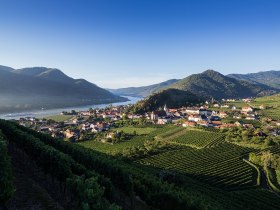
x,y
50,112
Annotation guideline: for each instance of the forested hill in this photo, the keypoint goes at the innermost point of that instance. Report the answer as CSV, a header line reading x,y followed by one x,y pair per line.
x,y
34,88
173,98
144,90
269,78
211,83
214,84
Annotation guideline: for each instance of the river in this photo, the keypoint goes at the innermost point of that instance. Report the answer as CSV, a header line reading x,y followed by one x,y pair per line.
x,y
50,112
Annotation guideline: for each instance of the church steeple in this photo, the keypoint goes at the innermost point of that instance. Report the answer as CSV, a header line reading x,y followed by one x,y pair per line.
x,y
165,108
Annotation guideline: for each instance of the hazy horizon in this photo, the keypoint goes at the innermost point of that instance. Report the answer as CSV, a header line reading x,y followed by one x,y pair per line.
x,y
145,84
117,44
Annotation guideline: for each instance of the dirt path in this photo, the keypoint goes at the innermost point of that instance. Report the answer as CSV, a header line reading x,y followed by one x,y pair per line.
x,y
265,183
263,180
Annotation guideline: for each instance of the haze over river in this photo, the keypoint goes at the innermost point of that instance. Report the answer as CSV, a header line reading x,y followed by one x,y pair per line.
x,y
50,112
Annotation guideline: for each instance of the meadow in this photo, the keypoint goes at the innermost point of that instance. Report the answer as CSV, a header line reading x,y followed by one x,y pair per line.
x,y
59,118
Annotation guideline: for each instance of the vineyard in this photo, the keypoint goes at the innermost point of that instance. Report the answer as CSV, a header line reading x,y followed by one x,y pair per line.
x,y
198,139
179,178
171,133
221,166
272,109
82,171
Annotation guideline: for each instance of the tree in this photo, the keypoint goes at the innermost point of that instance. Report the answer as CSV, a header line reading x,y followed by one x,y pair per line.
x,y
269,142
255,159
266,159
90,110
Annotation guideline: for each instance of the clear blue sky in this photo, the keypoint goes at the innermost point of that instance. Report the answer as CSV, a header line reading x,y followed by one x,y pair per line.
x,y
119,43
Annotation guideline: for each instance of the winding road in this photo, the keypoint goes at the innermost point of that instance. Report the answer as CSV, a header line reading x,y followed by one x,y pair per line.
x,y
264,180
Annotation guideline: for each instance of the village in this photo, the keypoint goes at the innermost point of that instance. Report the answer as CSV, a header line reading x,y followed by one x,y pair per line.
x,y
85,125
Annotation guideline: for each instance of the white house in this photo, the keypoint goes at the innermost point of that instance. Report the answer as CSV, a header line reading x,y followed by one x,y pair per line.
x,y
247,109
194,118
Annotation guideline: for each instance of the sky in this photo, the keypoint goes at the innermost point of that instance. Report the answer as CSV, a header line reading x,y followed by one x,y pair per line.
x,y
121,43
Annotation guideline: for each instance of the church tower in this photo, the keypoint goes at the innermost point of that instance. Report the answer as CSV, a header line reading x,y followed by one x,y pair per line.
x,y
166,110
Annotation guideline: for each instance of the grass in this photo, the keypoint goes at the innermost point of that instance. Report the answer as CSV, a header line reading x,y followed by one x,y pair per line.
x,y
116,148
144,133
138,130
58,118
237,104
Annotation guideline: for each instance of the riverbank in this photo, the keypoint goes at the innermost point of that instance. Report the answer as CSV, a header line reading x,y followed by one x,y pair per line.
x,y
51,112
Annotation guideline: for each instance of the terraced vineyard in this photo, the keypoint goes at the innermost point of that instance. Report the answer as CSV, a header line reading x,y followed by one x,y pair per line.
x,y
262,199
188,188
272,106
273,113
198,138
221,166
171,133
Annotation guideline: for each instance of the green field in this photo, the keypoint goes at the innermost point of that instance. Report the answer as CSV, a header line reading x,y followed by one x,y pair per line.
x,y
171,133
237,104
116,148
198,138
220,166
138,130
272,104
58,118
145,133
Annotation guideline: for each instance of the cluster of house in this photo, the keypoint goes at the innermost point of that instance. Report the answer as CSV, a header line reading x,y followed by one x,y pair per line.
x,y
204,117
85,121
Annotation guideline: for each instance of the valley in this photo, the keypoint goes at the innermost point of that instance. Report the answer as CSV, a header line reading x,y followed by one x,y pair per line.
x,y
141,163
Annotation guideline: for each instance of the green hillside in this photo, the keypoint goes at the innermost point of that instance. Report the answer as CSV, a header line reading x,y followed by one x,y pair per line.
x,y
213,84
173,98
269,78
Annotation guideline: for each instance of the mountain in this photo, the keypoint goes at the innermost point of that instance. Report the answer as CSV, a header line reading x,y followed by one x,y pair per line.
x,y
213,84
6,68
45,73
268,78
34,88
172,98
144,90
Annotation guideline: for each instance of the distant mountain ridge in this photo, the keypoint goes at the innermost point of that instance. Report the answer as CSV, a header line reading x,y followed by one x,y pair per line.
x,y
40,87
144,90
268,78
207,84
211,83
